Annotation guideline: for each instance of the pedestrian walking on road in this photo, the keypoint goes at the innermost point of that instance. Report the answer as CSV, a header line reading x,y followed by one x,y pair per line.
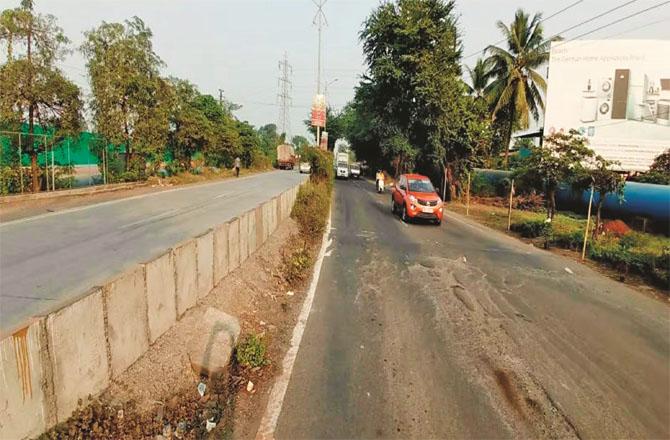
x,y
237,166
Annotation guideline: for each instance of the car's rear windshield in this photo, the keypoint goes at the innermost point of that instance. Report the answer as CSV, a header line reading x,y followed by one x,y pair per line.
x,y
342,164
355,167
421,185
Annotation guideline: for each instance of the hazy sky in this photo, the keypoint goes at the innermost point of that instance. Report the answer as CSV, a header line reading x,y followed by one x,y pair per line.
x,y
236,44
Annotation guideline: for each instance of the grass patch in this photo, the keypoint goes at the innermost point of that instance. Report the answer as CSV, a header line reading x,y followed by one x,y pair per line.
x,y
252,351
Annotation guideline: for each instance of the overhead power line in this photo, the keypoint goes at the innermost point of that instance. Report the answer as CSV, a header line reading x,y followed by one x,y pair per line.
x,y
627,17
637,28
560,11
595,17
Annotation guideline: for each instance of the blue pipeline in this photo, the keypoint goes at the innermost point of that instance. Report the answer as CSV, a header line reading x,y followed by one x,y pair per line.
x,y
639,199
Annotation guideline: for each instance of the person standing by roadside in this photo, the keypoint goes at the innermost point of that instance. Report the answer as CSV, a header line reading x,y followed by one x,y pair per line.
x,y
237,166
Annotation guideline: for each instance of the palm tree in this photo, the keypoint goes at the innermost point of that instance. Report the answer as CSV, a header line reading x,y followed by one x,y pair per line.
x,y
480,76
517,89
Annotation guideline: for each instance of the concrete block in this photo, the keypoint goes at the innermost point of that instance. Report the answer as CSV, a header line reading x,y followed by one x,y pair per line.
x,y
127,326
259,226
274,215
244,237
251,231
78,349
161,295
23,411
234,244
267,219
186,276
205,259
214,339
220,252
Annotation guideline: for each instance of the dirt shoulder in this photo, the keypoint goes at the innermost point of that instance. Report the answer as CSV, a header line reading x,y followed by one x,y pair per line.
x,y
495,217
29,208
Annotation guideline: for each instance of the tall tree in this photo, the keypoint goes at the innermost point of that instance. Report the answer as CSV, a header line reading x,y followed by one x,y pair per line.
x,y
130,100
600,173
480,75
560,160
517,89
34,90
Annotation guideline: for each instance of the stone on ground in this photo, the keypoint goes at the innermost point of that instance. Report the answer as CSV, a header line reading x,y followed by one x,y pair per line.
x,y
215,338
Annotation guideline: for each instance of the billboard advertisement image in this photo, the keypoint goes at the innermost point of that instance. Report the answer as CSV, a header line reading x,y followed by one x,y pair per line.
x,y
616,93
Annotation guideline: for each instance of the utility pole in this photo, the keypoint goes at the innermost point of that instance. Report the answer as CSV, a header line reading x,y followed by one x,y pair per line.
x,y
221,98
319,21
284,95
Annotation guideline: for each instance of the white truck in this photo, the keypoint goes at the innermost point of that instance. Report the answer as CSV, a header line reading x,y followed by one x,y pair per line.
x,y
342,165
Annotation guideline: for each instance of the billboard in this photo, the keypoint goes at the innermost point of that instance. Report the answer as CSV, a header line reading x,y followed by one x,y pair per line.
x,y
614,92
319,111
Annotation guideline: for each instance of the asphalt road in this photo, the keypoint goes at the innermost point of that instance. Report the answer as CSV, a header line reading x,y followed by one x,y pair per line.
x,y
458,331
48,259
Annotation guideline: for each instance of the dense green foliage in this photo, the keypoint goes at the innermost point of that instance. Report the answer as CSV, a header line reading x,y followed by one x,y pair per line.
x,y
411,110
145,122
560,160
33,90
659,172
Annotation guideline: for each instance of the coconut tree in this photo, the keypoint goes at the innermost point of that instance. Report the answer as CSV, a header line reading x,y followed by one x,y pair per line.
x,y
517,89
480,75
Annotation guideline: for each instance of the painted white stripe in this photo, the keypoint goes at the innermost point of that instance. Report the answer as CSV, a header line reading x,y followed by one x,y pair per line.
x,y
266,430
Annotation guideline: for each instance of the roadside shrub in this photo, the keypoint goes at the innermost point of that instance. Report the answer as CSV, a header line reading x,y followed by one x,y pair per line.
x,y
252,351
322,164
296,264
10,180
311,209
641,253
260,161
529,202
615,227
531,228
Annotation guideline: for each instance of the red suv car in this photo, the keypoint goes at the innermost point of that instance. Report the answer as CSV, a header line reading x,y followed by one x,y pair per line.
x,y
415,197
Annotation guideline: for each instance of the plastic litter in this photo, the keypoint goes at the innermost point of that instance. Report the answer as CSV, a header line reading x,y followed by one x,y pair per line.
x,y
568,270
201,388
250,386
210,425
289,293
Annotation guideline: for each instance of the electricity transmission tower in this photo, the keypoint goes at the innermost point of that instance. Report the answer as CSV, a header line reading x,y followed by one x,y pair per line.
x,y
319,21
284,95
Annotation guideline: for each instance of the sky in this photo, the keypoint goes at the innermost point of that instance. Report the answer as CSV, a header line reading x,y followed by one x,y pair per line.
x,y
236,45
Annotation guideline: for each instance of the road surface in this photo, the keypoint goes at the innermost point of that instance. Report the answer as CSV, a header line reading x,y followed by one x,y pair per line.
x,y
46,260
458,331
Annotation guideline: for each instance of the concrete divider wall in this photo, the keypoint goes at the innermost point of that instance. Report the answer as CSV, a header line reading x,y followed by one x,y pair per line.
x,y
161,295
220,252
57,361
126,318
186,276
244,237
22,400
205,262
251,231
266,208
234,244
79,352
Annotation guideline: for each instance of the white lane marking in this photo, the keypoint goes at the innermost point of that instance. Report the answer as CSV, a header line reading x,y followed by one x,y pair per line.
x,y
112,202
151,219
266,430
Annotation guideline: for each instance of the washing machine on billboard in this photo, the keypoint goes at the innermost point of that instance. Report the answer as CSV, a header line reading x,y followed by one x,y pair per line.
x,y
605,99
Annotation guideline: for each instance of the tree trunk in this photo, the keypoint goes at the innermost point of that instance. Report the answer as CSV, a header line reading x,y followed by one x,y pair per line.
x,y
551,203
601,200
31,117
508,137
